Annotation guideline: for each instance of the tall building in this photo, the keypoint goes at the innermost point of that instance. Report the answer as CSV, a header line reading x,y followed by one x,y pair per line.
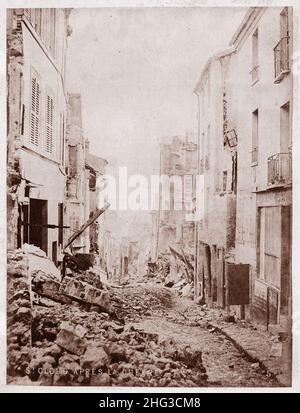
x,y
245,98
218,166
264,45
173,223
83,170
36,53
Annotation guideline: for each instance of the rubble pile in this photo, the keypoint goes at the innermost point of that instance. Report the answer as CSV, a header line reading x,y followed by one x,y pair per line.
x,y
134,301
19,313
91,349
192,316
180,279
60,335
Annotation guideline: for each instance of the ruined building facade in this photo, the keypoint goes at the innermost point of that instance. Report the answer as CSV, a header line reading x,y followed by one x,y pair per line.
x,y
52,176
83,171
173,222
36,50
245,102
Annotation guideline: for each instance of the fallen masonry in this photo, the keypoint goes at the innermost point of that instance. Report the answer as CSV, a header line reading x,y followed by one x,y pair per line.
x,y
78,332
71,289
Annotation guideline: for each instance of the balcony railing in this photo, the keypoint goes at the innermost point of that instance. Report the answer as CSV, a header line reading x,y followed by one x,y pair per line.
x,y
281,58
280,168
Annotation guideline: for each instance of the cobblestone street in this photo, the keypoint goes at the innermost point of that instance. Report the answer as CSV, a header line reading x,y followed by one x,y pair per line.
x,y
225,365
149,336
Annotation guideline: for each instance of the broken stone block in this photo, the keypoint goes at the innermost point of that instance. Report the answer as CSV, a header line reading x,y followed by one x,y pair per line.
x,y
48,288
91,277
186,290
117,352
67,361
80,331
77,289
53,350
70,341
82,291
101,299
95,358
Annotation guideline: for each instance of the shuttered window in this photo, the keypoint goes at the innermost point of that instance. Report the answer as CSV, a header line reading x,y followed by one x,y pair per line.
x,y
49,122
35,109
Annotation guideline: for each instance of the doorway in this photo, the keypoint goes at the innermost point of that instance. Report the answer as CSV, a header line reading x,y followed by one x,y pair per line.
x,y
274,265
38,219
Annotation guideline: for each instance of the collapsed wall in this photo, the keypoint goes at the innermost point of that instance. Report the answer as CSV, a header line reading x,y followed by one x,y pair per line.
x,y
76,332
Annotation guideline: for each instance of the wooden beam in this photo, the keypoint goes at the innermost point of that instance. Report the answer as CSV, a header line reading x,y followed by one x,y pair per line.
x,y
95,215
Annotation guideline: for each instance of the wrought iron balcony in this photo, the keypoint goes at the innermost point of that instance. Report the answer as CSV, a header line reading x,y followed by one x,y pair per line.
x,y
281,58
280,168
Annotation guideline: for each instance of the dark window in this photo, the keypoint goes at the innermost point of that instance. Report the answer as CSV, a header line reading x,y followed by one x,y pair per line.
x,y
255,136
60,223
72,161
38,220
54,252
234,173
224,181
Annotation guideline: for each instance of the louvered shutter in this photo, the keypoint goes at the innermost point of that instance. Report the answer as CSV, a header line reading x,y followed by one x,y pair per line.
x,y
49,124
35,110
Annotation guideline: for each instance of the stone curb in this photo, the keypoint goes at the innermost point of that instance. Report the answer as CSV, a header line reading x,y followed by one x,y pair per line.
x,y
282,379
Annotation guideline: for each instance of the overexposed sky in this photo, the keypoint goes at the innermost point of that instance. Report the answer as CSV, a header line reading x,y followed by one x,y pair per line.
x,y
136,70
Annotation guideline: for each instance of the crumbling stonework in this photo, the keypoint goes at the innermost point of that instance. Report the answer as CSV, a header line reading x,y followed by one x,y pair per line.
x,y
14,130
55,343
19,314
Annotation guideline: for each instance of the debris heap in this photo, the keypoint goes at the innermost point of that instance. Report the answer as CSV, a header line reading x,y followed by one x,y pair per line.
x,y
76,332
174,270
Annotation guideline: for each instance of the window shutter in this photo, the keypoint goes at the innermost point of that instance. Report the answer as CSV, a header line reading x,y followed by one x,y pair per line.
x,y
49,124
35,110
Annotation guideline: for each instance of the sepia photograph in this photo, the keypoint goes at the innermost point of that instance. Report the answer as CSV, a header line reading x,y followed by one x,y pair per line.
x,y
149,196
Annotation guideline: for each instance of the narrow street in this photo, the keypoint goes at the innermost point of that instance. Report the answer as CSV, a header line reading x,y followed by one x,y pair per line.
x,y
224,364
148,335
150,197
